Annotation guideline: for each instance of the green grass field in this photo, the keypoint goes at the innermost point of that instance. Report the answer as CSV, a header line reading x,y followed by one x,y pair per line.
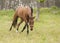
x,y
46,30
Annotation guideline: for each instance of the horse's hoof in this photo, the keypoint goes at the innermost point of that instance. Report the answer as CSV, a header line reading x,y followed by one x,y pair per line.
x,y
16,31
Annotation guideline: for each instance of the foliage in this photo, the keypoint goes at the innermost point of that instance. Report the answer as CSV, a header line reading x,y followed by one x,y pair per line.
x,y
41,1
54,7
52,10
6,12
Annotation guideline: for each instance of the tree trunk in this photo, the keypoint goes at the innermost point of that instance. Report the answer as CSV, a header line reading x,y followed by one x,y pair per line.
x,y
2,4
38,11
9,4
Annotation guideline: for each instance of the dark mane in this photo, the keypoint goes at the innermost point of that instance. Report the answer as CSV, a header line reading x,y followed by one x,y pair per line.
x,y
31,10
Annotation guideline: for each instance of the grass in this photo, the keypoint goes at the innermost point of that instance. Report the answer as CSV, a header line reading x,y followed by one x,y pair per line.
x,y
46,30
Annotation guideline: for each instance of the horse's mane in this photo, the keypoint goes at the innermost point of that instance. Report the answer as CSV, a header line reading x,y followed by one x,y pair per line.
x,y
31,10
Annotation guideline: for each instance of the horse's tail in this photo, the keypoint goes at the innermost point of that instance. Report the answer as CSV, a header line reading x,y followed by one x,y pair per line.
x,y
15,21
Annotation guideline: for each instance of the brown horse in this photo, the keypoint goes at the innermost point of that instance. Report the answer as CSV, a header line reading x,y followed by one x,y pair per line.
x,y
25,13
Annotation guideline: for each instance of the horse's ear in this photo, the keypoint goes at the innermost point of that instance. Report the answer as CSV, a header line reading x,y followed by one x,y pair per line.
x,y
32,17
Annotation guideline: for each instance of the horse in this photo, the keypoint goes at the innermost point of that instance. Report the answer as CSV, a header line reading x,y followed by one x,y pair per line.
x,y
25,13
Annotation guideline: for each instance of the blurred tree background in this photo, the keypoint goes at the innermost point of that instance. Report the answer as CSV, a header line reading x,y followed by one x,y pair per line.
x,y
12,4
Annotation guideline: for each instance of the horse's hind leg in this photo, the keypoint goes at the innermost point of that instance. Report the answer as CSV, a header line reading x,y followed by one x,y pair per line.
x,y
11,27
14,22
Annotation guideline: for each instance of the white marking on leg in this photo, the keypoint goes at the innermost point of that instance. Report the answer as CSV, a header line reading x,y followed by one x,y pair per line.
x,y
16,31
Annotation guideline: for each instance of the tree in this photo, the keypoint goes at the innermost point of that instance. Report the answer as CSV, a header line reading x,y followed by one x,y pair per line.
x,y
38,8
2,4
26,2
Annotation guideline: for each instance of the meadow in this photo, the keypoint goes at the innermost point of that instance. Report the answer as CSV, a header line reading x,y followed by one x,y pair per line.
x,y
46,30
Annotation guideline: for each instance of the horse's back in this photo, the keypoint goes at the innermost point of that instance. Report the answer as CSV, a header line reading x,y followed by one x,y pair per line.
x,y
23,11
19,10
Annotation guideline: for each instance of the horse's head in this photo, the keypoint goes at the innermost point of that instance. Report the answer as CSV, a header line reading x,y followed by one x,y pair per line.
x,y
31,22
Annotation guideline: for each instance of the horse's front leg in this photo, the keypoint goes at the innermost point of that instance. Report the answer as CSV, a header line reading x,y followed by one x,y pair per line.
x,y
26,25
18,25
27,28
23,28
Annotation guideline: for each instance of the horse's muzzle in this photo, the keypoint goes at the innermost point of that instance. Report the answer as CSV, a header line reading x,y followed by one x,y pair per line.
x,y
31,29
